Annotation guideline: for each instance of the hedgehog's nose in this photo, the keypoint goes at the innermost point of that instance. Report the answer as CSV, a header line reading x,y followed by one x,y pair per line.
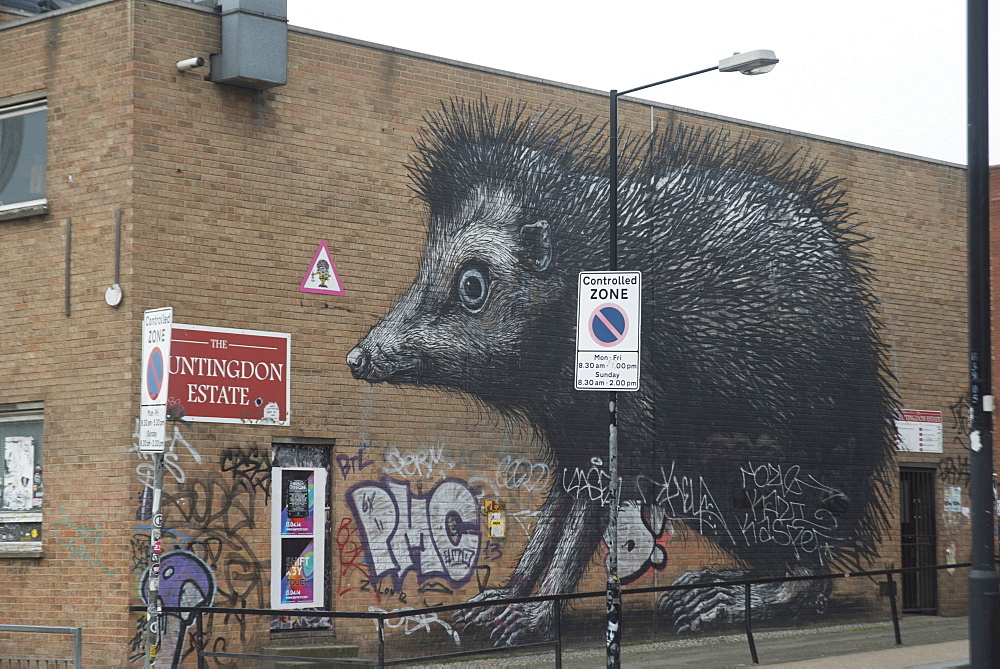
x,y
360,362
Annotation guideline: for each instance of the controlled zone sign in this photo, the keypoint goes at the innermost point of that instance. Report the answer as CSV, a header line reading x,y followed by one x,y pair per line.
x,y
156,328
608,331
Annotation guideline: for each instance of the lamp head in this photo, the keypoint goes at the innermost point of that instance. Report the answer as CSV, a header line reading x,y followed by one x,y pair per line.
x,y
760,61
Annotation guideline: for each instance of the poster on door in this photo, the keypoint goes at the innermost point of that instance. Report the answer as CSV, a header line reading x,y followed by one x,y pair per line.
x,y
298,577
298,509
298,522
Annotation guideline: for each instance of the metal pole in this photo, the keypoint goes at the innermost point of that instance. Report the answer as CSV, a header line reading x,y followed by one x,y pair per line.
x,y
614,601
68,272
983,577
380,624
558,620
895,610
749,624
77,648
201,641
118,245
153,609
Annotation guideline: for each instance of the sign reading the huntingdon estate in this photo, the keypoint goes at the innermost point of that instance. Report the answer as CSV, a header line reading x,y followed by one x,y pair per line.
x,y
224,375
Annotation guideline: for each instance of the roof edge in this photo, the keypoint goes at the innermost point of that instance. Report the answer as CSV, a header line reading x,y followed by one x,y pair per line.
x,y
592,91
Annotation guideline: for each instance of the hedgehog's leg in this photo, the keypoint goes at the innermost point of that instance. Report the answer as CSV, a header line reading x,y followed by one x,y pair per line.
x,y
537,553
713,605
561,545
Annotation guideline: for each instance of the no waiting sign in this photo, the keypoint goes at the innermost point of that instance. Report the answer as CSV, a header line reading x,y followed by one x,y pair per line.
x,y
156,328
608,331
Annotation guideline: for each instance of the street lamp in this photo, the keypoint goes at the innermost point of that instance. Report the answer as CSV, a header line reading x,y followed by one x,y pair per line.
x,y
983,580
751,63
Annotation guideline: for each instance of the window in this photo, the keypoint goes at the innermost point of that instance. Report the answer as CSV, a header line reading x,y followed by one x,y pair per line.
x,y
21,478
22,159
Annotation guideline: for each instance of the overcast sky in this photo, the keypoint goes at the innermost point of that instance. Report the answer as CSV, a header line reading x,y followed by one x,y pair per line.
x,y
886,73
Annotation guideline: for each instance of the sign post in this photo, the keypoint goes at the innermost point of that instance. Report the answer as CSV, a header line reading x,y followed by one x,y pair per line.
x,y
607,358
156,333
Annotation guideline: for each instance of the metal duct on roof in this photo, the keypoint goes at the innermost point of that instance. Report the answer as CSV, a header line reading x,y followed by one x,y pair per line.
x,y
254,44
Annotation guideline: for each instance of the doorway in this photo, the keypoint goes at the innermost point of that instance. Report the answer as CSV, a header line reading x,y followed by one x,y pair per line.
x,y
918,539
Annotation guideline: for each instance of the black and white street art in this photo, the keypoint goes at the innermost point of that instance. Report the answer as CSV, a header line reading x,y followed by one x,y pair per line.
x,y
762,422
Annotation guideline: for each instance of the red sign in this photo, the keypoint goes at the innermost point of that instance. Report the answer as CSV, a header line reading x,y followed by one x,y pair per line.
x,y
222,375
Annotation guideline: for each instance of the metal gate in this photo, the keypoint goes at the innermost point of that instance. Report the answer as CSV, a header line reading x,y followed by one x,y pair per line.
x,y
918,539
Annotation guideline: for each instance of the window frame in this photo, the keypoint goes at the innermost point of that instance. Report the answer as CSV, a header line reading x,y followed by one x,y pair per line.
x,y
23,107
24,412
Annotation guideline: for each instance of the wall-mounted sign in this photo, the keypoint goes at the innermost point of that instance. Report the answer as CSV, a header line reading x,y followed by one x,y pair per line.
x,y
298,528
919,431
322,275
223,375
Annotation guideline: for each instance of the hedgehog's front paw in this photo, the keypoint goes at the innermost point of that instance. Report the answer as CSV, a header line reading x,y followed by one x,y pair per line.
x,y
511,623
481,615
701,608
713,605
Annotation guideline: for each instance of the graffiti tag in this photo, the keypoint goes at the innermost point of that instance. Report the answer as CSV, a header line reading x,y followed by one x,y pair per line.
x,y
778,513
415,623
518,473
592,484
435,535
352,556
421,463
684,498
353,463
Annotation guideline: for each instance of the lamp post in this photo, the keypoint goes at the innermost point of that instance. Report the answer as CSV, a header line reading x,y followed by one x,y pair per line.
x,y
751,63
983,581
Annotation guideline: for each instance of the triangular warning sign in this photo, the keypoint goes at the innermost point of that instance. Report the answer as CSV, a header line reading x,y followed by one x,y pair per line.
x,y
322,275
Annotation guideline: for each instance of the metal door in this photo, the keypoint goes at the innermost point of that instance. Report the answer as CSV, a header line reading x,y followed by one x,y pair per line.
x,y
918,539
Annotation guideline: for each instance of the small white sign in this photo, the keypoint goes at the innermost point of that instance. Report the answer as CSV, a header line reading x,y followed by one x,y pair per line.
x,y
152,428
608,331
322,276
953,499
919,431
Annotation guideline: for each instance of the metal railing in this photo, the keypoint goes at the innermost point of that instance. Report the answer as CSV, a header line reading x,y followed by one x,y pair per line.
x,y
556,643
45,662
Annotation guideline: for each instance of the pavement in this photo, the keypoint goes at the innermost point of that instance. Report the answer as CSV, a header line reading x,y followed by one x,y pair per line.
x,y
929,642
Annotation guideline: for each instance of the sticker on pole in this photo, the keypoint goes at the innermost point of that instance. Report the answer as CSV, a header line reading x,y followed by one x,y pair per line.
x,y
607,331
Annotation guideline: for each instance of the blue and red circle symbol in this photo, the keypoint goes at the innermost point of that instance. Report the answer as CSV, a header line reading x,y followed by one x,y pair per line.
x,y
608,325
154,373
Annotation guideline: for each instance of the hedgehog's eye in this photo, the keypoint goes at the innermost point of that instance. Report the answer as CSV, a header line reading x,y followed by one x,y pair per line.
x,y
473,287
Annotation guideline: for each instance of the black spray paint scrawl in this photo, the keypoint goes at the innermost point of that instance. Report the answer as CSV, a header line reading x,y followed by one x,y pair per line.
x,y
762,418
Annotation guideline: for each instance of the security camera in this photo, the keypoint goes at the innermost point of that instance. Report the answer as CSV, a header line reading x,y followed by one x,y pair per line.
x,y
190,63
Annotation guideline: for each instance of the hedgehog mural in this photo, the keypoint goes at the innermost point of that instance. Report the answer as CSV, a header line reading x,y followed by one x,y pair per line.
x,y
762,420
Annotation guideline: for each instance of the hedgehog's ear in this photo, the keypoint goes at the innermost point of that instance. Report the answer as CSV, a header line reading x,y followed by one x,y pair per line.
x,y
537,244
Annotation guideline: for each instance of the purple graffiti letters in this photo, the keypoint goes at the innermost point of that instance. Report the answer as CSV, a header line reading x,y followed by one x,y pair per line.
x,y
184,580
353,463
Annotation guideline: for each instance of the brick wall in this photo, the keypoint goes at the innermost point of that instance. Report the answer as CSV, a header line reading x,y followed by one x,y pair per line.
x,y
226,194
